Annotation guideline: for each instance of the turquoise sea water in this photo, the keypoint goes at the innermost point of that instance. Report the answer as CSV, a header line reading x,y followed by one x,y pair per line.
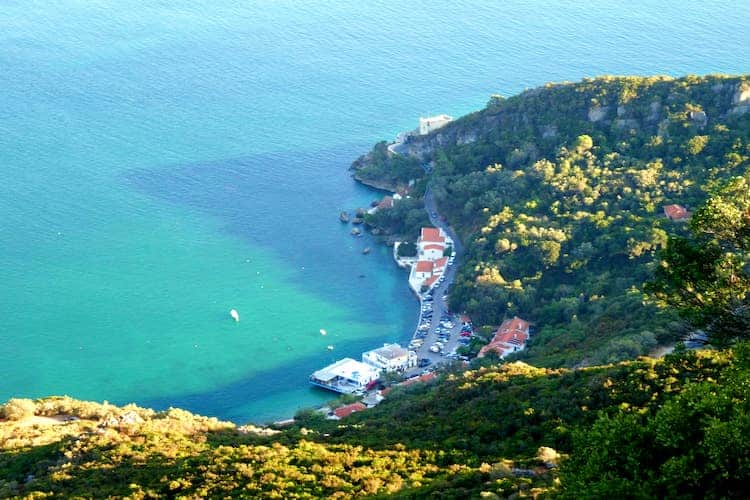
x,y
162,163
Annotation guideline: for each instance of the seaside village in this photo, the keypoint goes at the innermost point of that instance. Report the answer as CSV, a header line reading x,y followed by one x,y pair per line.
x,y
349,376
427,272
427,268
428,262
433,342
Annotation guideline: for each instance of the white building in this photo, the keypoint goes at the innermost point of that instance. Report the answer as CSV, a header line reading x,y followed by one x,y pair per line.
x,y
346,376
421,274
422,269
431,243
390,357
432,123
432,251
430,263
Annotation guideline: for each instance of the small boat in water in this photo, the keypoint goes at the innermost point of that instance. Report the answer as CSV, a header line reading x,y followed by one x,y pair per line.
x,y
330,348
344,216
366,250
323,332
235,315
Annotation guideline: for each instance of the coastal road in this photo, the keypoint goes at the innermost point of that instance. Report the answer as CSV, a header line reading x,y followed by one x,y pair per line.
x,y
439,305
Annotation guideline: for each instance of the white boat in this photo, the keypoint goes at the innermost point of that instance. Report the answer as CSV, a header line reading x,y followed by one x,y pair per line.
x,y
323,332
235,315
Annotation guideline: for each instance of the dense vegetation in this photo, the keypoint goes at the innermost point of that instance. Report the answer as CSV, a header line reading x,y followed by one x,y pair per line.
x,y
706,276
387,171
558,193
403,221
647,428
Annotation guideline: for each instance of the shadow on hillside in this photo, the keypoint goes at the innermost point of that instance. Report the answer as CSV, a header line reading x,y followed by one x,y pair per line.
x,y
17,465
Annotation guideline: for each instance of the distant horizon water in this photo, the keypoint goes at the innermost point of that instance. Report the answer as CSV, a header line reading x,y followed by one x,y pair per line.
x,y
163,165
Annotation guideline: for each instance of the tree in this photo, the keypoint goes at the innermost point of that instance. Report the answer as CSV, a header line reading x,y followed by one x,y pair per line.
x,y
695,444
584,143
407,249
706,276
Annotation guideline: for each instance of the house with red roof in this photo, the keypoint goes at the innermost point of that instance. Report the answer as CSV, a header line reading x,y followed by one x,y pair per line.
x,y
431,243
423,269
431,280
676,213
345,411
423,273
431,263
439,265
432,235
510,337
386,202
432,251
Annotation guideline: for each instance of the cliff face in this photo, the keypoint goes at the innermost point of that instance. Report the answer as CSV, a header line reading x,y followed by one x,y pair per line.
x,y
600,103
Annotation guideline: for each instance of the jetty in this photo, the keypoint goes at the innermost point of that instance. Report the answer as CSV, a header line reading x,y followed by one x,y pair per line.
x,y
346,376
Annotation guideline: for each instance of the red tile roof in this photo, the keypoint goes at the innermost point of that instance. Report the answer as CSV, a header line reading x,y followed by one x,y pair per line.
x,y
676,212
515,324
424,266
512,335
441,262
423,378
434,246
429,281
345,411
497,347
431,234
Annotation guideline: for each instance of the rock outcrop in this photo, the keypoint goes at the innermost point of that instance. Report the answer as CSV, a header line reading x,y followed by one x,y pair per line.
x,y
741,98
597,113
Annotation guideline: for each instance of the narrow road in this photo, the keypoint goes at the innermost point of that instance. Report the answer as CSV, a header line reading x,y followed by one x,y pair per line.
x,y
439,306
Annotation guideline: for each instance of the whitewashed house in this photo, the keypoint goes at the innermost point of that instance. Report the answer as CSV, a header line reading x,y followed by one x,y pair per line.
x,y
420,272
390,357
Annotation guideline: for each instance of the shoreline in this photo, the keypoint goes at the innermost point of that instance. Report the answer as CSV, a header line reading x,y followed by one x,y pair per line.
x,y
437,335
382,186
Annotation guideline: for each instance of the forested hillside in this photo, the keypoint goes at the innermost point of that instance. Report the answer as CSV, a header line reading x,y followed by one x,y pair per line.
x,y
559,195
640,429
